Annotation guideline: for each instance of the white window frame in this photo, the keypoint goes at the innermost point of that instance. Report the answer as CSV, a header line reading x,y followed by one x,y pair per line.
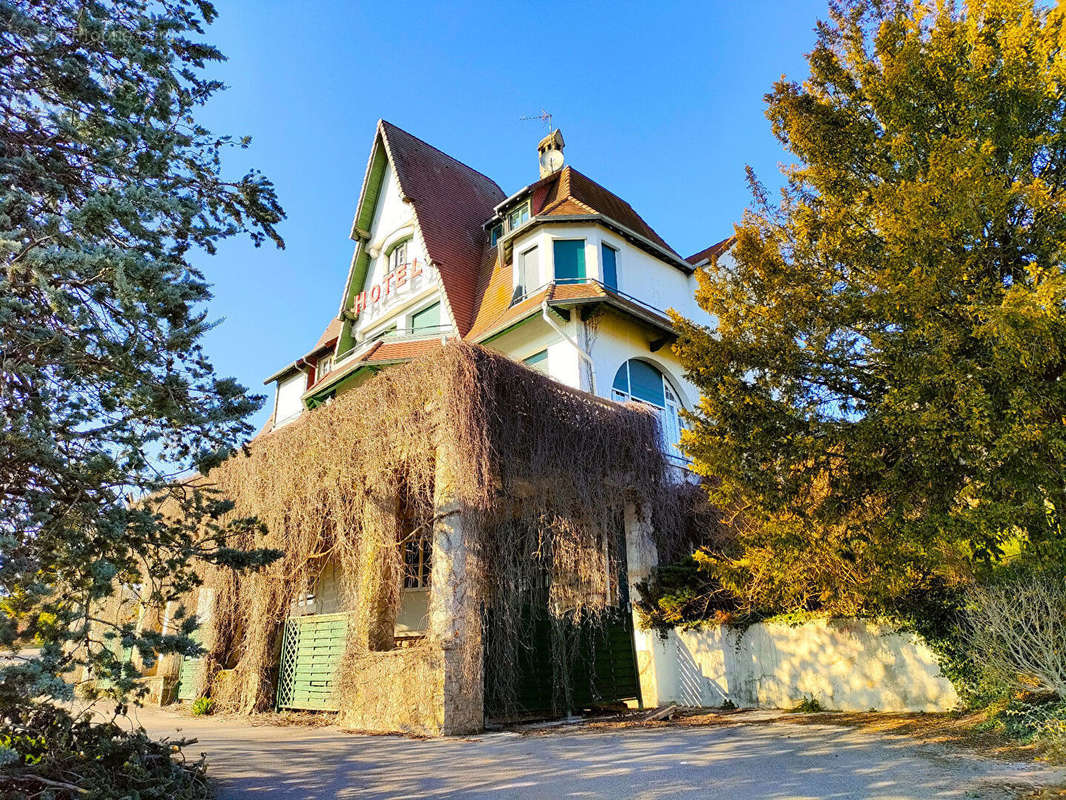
x,y
519,262
519,209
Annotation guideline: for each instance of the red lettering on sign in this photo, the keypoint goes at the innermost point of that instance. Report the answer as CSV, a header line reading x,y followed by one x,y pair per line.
x,y
401,276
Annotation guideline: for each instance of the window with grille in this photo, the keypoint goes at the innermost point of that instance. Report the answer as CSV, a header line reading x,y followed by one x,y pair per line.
x,y
417,561
398,256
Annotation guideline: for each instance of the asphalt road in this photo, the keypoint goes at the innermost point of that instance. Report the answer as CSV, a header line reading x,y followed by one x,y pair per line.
x,y
753,761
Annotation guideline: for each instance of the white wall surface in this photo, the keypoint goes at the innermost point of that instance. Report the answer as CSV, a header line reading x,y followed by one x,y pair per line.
x,y
393,221
289,404
640,274
847,665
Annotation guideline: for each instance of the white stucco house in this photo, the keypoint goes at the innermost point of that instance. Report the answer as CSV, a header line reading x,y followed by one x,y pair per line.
x,y
562,275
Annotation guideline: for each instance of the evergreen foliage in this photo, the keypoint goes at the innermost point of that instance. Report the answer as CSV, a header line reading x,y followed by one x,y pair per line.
x,y
882,392
110,193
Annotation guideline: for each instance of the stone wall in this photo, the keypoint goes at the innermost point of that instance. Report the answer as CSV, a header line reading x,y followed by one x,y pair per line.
x,y
848,665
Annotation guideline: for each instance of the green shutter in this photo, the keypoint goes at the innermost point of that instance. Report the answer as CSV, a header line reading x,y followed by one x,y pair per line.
x,y
537,361
569,260
427,318
610,267
189,674
311,651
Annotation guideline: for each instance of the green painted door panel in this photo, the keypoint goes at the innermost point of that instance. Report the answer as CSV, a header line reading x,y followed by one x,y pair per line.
x,y
311,650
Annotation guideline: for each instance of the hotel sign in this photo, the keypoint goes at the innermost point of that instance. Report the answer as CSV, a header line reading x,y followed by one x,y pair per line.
x,y
392,285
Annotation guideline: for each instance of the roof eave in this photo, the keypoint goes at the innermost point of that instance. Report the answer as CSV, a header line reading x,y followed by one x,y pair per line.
x,y
544,219
295,366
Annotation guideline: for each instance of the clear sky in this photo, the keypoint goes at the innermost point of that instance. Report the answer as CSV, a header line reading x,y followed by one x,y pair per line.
x,y
662,103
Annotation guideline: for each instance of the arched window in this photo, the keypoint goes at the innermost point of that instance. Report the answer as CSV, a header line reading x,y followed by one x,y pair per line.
x,y
639,381
397,254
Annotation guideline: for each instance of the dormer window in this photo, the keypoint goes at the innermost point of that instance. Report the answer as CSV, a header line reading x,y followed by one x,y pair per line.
x,y
518,217
495,234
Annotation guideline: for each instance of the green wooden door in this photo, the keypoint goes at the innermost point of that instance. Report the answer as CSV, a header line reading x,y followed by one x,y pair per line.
x,y
189,674
311,650
598,660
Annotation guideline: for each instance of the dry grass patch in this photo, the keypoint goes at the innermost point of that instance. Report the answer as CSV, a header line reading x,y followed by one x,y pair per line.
x,y
956,729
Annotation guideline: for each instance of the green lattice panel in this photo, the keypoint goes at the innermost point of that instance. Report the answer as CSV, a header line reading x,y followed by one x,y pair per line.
x,y
189,675
311,651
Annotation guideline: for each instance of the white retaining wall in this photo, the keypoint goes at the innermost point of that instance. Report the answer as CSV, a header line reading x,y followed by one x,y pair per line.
x,y
848,665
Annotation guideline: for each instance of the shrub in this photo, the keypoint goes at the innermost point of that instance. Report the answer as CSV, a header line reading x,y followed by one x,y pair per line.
x,y
1034,721
809,705
680,594
202,706
1017,631
45,752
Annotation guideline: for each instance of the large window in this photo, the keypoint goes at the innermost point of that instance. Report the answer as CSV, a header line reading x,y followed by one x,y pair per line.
x,y
609,257
528,274
427,320
569,260
639,381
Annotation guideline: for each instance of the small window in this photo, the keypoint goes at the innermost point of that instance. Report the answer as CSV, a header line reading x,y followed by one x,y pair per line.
x,y
610,266
427,320
527,267
569,260
538,361
518,217
398,256
325,364
496,233
417,561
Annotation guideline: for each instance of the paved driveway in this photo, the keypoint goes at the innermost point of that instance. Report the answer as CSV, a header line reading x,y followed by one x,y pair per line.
x,y
738,762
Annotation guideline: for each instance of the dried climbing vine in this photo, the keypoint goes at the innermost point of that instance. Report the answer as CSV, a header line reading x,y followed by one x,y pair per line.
x,y
540,473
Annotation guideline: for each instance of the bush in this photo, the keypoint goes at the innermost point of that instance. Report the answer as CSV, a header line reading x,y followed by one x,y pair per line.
x,y
46,753
1017,631
202,706
1033,721
681,594
809,705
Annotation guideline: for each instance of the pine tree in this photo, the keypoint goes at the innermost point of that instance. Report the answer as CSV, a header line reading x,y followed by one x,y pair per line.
x,y
111,194
882,393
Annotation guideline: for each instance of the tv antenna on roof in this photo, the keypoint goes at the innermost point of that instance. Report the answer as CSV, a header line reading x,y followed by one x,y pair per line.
x,y
543,116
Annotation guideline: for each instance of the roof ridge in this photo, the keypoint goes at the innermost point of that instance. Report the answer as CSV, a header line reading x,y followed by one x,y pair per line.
x,y
385,122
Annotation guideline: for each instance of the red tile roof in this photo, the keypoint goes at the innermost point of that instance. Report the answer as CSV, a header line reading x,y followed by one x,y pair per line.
x,y
569,192
378,353
452,203
714,250
326,340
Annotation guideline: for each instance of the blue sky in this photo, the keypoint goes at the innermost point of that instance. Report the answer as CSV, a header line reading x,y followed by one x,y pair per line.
x,y
662,103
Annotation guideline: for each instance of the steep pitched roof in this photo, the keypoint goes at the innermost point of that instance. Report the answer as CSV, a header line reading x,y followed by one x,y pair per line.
x,y
713,251
569,192
452,203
